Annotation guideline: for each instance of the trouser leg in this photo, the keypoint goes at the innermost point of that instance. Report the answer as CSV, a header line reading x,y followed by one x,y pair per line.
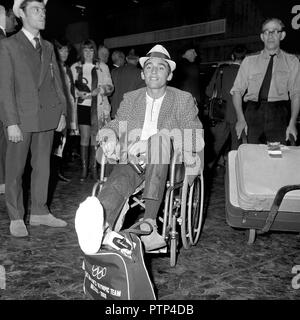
x,y
276,121
119,186
2,154
16,156
159,150
254,116
41,147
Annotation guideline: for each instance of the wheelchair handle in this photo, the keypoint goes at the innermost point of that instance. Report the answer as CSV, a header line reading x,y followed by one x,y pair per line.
x,y
138,168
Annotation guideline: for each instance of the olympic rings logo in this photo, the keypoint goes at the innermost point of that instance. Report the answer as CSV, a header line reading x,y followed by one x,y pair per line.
x,y
98,272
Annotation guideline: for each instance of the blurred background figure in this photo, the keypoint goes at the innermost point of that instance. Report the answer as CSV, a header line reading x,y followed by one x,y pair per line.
x,y
118,59
223,133
126,78
64,139
92,86
103,53
187,75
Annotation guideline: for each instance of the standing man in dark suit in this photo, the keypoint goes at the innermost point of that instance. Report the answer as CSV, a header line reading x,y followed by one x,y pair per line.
x,y
7,25
126,78
32,107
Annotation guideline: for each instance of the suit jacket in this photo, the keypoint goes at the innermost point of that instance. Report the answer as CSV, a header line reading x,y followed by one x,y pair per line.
x,y
177,114
126,78
34,103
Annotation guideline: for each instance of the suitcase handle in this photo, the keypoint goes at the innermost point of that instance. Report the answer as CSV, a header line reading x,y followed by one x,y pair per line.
x,y
244,139
275,206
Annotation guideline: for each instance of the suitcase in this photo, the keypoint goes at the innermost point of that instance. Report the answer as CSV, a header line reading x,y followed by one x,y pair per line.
x,y
263,193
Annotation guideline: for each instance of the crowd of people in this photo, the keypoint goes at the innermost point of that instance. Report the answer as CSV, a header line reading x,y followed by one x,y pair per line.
x,y
116,99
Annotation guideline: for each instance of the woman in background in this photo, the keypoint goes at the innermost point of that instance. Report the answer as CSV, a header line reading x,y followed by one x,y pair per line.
x,y
61,140
92,86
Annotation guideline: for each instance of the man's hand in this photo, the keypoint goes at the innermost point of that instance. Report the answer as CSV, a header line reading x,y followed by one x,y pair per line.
x,y
291,130
109,148
95,92
15,134
62,124
239,127
138,148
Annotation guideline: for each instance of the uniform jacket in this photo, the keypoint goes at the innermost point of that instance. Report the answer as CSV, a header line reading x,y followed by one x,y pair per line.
x,y
35,103
178,111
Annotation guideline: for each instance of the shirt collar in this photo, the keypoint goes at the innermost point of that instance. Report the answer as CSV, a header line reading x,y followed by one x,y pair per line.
x,y
3,30
266,54
157,100
29,35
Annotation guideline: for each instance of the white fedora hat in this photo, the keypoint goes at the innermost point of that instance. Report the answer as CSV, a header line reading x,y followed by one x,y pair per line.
x,y
17,4
158,51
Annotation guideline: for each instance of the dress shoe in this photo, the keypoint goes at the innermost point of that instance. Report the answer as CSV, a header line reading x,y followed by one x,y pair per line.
x,y
2,188
47,220
154,240
89,225
18,229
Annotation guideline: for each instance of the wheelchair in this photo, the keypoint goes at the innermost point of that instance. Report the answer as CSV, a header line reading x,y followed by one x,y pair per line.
x,y
183,204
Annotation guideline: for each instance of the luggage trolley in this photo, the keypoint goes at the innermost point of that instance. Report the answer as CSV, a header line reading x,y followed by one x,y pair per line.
x,y
182,216
266,209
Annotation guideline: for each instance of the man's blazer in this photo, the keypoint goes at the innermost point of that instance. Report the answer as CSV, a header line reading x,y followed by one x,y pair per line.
x,y
35,103
178,114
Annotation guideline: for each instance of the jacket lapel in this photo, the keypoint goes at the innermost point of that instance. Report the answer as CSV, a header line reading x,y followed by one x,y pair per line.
x,y
139,109
166,108
46,60
26,48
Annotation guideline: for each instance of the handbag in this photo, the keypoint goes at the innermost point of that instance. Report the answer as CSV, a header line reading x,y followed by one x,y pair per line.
x,y
217,106
119,274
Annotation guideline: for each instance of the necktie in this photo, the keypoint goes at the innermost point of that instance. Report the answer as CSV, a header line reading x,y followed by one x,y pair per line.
x,y
38,46
265,87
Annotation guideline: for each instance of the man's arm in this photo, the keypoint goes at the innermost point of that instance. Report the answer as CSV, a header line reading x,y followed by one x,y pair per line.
x,y
294,91
295,107
61,96
8,107
239,88
192,137
210,88
241,122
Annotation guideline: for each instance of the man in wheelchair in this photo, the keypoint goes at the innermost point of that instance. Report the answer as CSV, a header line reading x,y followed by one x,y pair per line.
x,y
146,122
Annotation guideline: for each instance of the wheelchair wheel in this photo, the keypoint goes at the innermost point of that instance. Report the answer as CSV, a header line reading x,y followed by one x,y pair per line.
x,y
195,209
184,215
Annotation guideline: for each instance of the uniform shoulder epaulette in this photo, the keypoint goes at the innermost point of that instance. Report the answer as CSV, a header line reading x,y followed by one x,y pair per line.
x,y
291,55
253,54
